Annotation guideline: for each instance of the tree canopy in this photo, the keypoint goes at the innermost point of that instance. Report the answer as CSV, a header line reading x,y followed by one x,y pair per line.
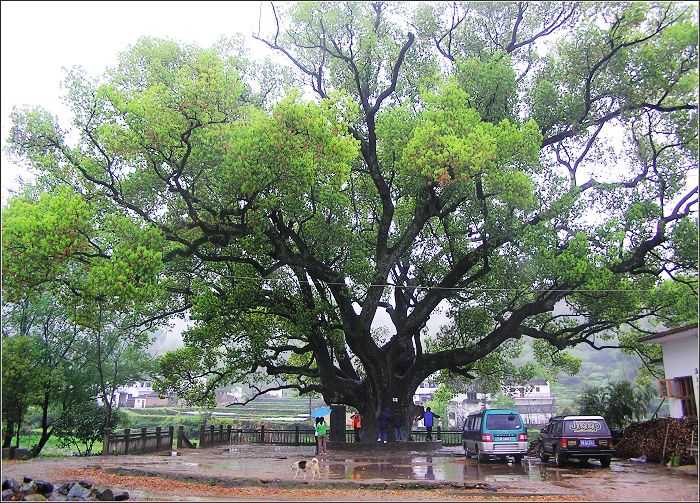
x,y
487,160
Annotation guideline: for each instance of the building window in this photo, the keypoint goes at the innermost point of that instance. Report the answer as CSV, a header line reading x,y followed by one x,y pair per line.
x,y
537,389
680,388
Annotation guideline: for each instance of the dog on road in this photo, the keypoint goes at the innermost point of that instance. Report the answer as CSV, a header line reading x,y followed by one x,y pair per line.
x,y
304,466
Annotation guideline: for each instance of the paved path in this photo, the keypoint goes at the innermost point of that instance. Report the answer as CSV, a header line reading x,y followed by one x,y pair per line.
x,y
252,465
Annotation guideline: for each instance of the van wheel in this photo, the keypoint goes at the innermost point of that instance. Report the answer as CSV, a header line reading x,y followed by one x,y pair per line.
x,y
481,458
518,459
605,462
559,458
467,452
543,455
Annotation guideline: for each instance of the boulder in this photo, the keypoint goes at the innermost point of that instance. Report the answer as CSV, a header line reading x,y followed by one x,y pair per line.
x,y
121,496
8,495
43,487
28,487
27,480
35,497
10,484
64,488
105,495
78,493
85,484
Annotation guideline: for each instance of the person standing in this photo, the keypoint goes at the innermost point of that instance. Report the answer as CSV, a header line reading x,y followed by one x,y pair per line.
x,y
316,421
396,420
321,432
356,425
384,424
427,418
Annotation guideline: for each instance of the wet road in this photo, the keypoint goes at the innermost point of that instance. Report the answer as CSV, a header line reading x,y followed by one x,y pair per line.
x,y
622,481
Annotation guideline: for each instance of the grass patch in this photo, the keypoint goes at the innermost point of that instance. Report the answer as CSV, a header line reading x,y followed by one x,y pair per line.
x,y
52,448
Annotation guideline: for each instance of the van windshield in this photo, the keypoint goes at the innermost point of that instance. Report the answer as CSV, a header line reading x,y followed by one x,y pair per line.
x,y
503,422
586,427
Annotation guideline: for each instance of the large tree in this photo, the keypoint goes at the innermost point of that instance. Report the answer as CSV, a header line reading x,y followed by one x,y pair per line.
x,y
489,160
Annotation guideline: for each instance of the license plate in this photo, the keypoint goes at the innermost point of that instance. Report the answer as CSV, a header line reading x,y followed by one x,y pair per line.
x,y
587,443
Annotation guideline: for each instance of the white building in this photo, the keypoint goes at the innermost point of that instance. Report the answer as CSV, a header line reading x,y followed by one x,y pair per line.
x,y
463,404
425,392
533,400
680,354
136,395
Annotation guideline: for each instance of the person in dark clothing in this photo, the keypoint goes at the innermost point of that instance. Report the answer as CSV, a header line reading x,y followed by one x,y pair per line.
x,y
427,418
384,425
396,421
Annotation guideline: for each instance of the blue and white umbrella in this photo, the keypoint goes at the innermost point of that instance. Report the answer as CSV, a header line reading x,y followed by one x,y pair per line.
x,y
320,412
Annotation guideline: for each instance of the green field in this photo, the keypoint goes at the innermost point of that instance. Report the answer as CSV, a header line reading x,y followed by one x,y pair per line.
x,y
277,412
51,449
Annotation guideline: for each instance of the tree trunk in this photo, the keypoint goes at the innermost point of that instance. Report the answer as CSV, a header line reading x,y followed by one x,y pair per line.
x,y
8,434
45,433
19,431
382,414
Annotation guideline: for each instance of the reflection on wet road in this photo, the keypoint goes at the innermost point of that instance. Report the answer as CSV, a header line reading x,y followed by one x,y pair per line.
x,y
449,468
443,465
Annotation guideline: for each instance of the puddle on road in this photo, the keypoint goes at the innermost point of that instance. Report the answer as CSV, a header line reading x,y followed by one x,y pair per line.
x,y
447,465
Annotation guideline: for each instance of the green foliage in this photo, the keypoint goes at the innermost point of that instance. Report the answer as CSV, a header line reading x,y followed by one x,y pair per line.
x,y
451,143
21,376
176,367
502,401
490,85
438,404
83,426
620,403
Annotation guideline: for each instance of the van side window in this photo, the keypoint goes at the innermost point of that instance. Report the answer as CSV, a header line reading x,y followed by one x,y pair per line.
x,y
477,423
470,423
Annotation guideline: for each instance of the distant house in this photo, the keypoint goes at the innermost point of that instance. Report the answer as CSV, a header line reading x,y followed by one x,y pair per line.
x,y
139,395
680,355
534,401
425,392
230,394
463,404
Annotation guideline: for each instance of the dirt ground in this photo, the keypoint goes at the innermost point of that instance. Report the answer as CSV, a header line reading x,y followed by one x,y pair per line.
x,y
247,473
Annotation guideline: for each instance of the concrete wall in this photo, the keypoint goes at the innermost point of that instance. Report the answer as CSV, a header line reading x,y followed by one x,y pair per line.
x,y
680,360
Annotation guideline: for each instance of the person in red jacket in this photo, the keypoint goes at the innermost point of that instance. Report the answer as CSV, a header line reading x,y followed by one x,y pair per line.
x,y
356,425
